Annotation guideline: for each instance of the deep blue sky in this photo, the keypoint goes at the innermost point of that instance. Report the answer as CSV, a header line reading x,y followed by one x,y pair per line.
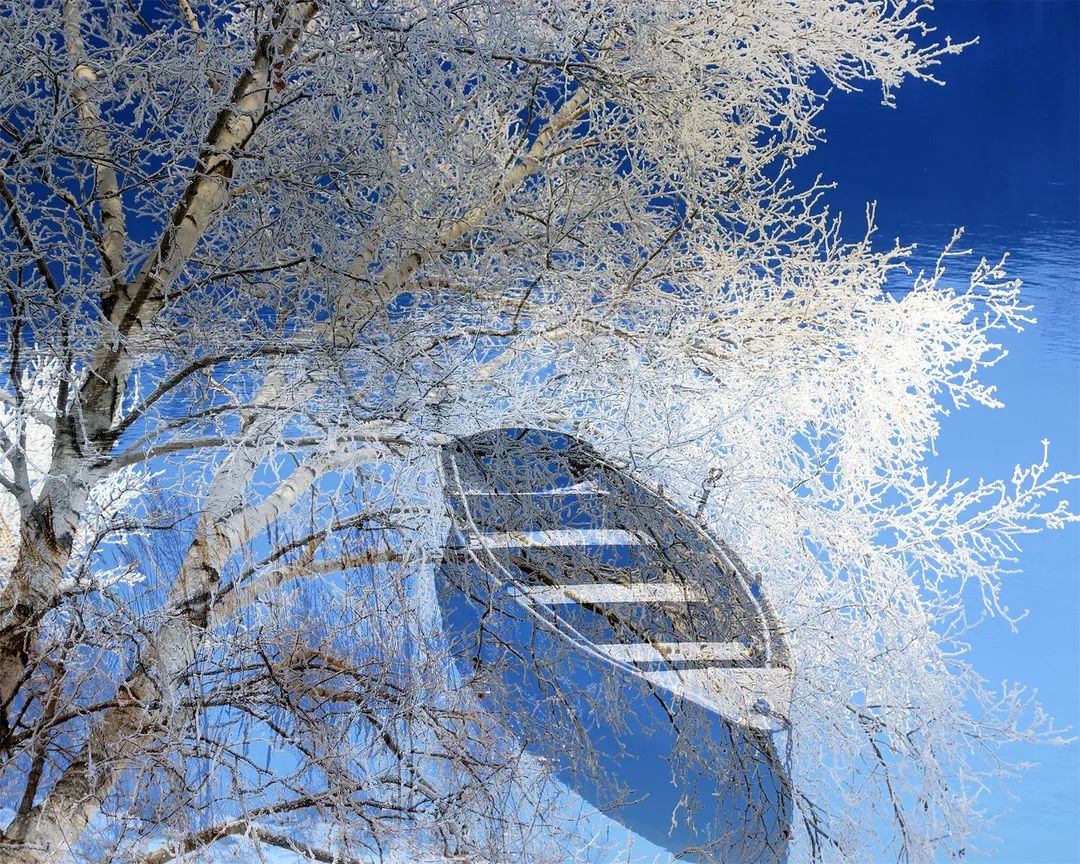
x,y
996,151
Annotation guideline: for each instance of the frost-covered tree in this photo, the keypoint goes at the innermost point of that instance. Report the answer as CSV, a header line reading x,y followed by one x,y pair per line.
x,y
261,257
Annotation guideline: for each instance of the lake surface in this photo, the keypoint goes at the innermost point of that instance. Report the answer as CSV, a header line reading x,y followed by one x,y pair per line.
x,y
996,151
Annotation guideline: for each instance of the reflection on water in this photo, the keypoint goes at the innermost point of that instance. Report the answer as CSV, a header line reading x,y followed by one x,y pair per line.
x,y
1049,263
1044,254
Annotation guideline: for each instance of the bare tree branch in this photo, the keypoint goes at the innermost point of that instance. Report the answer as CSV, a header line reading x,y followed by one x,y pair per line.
x,y
83,78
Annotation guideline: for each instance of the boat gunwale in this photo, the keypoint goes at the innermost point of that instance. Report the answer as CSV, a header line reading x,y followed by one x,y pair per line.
x,y
777,655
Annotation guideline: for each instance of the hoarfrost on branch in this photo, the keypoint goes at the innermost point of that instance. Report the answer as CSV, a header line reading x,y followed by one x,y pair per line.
x,y
260,259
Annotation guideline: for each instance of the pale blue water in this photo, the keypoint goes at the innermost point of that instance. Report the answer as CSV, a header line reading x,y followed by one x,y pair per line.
x,y
996,151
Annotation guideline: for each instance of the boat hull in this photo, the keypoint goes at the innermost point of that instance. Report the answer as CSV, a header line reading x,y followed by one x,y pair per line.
x,y
542,623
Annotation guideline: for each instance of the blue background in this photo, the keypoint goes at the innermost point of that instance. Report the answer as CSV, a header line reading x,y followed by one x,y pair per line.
x,y
996,151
